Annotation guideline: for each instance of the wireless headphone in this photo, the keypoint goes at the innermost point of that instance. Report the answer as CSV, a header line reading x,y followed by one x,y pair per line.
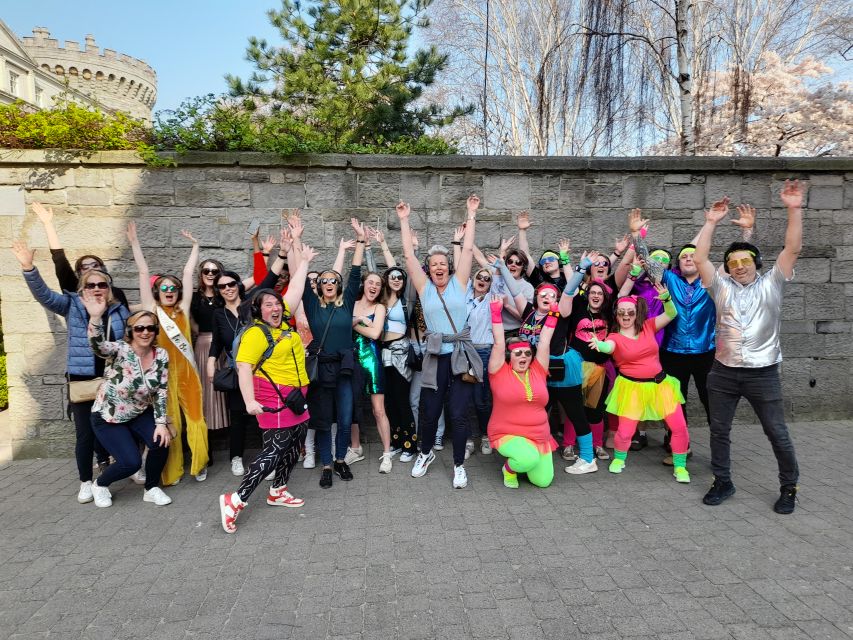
x,y
337,275
256,304
134,318
742,246
155,288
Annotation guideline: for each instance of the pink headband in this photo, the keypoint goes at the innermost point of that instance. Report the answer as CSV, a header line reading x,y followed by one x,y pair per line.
x,y
603,285
547,285
154,279
517,343
631,299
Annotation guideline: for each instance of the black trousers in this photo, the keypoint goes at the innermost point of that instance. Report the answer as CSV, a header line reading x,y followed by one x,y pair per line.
x,y
684,365
280,453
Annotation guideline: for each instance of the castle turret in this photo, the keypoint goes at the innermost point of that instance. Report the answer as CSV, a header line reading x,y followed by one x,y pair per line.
x,y
114,80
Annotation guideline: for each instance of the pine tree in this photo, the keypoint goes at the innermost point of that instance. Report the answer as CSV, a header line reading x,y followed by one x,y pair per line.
x,y
345,70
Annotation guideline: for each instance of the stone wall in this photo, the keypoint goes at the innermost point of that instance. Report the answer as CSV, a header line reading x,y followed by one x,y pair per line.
x,y
585,199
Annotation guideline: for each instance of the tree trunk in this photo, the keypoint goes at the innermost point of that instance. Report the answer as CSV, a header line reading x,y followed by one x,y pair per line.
x,y
685,78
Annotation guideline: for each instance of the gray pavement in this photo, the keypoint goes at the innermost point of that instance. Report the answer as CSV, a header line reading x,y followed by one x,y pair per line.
x,y
593,557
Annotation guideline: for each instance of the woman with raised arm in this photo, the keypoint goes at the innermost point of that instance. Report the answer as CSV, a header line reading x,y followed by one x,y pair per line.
x,y
449,352
131,403
519,428
642,390
82,367
167,300
330,395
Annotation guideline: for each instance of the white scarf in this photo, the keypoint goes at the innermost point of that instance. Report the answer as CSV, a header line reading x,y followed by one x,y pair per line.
x,y
173,331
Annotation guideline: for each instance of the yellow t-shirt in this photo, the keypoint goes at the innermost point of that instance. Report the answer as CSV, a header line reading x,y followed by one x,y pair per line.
x,y
282,364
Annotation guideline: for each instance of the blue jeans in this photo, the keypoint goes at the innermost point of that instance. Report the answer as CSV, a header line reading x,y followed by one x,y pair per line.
x,y
762,388
483,394
328,405
122,440
458,395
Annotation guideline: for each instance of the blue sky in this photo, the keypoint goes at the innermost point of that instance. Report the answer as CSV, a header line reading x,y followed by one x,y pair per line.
x,y
190,43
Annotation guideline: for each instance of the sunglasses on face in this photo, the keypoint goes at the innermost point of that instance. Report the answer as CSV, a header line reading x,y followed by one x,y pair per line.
x,y
96,285
513,262
210,272
601,263
547,260
743,262
395,276
168,288
483,277
629,313
521,352
328,281
144,328
226,285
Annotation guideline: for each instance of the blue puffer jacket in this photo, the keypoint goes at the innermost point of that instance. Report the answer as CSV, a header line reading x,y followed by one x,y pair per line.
x,y
81,360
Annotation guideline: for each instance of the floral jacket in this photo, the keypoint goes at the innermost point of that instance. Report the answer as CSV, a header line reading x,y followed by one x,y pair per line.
x,y
127,390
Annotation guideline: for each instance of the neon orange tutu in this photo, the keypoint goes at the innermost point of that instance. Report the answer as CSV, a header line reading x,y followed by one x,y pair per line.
x,y
644,400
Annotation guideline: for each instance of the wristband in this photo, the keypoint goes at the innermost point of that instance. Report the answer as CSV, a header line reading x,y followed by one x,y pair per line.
x,y
618,255
636,270
283,257
643,232
457,243
496,313
551,320
360,241
564,258
580,269
265,255
666,299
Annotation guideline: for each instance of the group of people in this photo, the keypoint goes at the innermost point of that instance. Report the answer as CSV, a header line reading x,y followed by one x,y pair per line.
x,y
588,352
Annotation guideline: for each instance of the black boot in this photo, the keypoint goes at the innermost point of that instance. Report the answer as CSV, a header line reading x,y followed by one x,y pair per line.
x,y
719,491
787,498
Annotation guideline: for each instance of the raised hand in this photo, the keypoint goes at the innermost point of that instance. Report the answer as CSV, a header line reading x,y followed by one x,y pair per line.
x,y
564,245
473,203
747,216
718,211
587,258
45,214
793,194
458,233
358,227
636,221
663,292
131,232
492,259
294,222
268,244
188,236
621,244
308,253
285,242
496,303
347,244
505,245
96,307
24,254
523,221
403,210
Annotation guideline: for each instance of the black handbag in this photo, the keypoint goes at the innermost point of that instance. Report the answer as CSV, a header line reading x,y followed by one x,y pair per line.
x,y
556,369
226,379
312,357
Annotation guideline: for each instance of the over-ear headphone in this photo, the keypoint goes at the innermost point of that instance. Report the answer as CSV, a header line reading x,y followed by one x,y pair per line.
x,y
256,303
337,275
133,318
155,288
742,246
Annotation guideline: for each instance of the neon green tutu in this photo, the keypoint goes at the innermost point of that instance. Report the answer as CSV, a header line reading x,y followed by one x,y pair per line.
x,y
644,400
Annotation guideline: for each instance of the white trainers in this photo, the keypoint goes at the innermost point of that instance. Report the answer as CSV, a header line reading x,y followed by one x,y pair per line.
x,y
354,455
157,496
407,456
582,466
310,461
469,448
601,453
422,463
202,476
460,478
102,496
237,466
396,451
485,447
85,493
385,465
139,477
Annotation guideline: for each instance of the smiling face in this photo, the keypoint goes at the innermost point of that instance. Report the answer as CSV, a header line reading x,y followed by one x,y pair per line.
x,y
626,314
686,265
550,265
143,330
515,264
272,311
600,269
439,270
482,282
208,272
327,285
395,280
169,291
741,266
595,297
520,356
372,287
228,288
545,297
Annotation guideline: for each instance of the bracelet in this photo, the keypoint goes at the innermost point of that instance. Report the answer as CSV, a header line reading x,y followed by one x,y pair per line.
x,y
618,255
457,243
360,241
265,255
283,257
667,299
580,269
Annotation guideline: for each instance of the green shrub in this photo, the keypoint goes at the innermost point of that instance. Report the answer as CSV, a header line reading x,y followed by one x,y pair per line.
x,y
4,386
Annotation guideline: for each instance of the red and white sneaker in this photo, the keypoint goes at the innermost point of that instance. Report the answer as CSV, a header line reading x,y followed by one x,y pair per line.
x,y
280,497
230,507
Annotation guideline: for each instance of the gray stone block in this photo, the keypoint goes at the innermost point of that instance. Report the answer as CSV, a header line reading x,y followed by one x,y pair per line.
x,y
379,190
281,196
812,270
842,271
572,192
330,189
719,185
645,192
212,194
545,192
825,197
420,190
602,195
506,192
677,196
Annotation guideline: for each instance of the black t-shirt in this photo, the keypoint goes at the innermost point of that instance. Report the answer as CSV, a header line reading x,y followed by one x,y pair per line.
x,y
531,327
201,309
538,276
582,325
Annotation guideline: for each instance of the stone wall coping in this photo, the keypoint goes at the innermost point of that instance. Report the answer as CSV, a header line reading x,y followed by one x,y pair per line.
x,y
675,164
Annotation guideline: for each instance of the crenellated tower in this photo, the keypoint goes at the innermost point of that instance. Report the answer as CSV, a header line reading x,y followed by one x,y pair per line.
x,y
114,80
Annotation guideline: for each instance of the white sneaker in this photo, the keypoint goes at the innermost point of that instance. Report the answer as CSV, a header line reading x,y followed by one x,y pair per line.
x,y
460,478
582,466
354,455
569,454
395,452
385,465
156,495
469,448
485,447
310,461
202,476
407,456
139,477
237,466
421,465
601,453
85,493
439,444
103,497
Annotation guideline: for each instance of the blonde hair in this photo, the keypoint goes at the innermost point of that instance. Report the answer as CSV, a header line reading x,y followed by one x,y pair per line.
x,y
136,317
339,299
87,275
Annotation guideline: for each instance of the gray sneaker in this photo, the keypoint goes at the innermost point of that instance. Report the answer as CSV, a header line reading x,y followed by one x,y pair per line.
x,y
422,463
569,454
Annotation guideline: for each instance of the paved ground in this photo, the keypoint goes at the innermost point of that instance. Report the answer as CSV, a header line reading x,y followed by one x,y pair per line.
x,y
593,557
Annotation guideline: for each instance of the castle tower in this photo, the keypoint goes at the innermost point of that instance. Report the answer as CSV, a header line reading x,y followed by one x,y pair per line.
x,y
112,79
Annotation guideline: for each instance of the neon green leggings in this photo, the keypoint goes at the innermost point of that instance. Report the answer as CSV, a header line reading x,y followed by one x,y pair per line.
x,y
523,457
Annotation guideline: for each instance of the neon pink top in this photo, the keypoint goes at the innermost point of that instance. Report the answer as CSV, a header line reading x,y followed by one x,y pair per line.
x,y
638,358
513,415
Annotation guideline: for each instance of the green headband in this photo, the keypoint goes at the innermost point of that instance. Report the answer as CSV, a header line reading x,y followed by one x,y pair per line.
x,y
659,253
686,250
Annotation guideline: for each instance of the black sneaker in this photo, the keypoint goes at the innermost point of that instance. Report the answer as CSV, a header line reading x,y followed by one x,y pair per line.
x,y
639,441
326,479
787,498
719,491
342,469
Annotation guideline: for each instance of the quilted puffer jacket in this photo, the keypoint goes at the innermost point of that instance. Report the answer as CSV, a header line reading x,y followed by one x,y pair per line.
x,y
81,359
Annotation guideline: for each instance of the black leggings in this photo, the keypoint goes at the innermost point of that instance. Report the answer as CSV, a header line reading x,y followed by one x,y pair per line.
x,y
571,399
86,444
240,421
399,410
280,453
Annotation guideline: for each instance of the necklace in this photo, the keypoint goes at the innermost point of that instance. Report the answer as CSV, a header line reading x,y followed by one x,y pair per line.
x,y
528,390
236,324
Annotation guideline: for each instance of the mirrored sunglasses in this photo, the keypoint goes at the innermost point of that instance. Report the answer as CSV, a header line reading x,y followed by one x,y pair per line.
x,y
521,352
328,281
630,313
483,277
168,288
395,276
742,262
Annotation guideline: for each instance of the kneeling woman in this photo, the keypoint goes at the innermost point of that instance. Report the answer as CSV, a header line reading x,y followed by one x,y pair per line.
x,y
518,427
131,402
642,391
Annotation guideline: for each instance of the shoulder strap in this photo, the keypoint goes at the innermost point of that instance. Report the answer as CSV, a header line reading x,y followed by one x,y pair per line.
x,y
270,342
326,330
444,304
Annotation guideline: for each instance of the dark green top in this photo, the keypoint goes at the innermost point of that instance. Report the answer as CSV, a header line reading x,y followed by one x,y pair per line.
x,y
339,337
